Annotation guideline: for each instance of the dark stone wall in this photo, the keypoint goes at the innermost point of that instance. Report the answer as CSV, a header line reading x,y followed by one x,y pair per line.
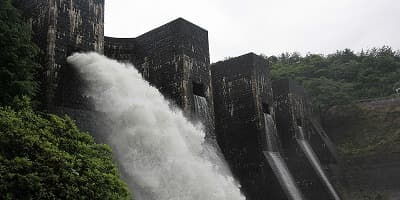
x,y
293,109
124,50
174,58
176,55
241,87
60,28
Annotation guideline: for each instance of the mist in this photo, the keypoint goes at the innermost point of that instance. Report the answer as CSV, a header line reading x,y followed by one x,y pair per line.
x,y
161,154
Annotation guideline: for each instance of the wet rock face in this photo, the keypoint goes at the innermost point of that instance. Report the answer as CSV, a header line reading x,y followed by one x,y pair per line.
x,y
60,28
293,109
174,58
241,89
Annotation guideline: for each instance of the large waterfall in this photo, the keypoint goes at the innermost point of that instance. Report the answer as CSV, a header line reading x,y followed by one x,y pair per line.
x,y
160,153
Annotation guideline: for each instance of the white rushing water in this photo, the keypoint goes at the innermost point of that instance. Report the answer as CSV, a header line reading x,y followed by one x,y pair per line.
x,y
160,152
277,163
202,111
271,133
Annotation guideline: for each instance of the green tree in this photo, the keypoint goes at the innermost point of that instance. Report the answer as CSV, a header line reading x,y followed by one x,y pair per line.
x,y
341,77
43,156
17,55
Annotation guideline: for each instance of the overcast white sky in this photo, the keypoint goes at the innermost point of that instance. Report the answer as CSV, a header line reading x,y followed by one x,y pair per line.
x,y
270,27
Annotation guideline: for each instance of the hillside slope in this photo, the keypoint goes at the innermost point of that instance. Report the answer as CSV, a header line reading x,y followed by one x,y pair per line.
x,y
368,138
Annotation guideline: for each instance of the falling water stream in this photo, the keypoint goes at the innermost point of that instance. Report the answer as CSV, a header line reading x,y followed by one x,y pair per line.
x,y
313,159
271,133
202,111
159,151
277,163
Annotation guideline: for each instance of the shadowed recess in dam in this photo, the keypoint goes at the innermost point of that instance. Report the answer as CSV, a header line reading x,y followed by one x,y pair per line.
x,y
161,154
313,159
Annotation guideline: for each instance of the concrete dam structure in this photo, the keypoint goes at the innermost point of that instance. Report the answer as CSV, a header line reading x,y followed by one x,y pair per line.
x,y
246,131
274,145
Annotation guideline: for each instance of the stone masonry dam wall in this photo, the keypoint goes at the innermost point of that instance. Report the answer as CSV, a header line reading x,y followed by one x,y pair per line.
x,y
175,59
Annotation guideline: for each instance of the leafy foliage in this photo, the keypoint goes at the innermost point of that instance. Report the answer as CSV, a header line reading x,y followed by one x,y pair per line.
x,y
47,157
17,55
368,129
341,77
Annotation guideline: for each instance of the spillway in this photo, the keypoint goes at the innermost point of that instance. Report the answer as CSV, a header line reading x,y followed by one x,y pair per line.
x,y
202,111
313,159
277,163
160,153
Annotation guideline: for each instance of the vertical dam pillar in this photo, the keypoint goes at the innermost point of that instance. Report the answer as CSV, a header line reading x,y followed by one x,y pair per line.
x,y
305,145
245,128
175,59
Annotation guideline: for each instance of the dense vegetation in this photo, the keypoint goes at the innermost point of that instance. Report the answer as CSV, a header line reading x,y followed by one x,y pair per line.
x,y
17,55
341,77
366,133
43,156
366,129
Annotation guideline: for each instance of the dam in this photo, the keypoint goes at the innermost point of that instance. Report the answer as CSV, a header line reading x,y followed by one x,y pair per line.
x,y
252,121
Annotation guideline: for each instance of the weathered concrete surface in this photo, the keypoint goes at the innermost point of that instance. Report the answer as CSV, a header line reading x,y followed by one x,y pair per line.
x,y
174,58
241,89
293,109
60,28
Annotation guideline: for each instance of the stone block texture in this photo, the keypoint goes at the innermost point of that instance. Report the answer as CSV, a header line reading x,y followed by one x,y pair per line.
x,y
242,93
62,27
174,58
293,109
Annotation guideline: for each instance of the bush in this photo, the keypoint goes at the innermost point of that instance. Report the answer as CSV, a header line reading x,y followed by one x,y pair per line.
x,y
18,55
43,156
